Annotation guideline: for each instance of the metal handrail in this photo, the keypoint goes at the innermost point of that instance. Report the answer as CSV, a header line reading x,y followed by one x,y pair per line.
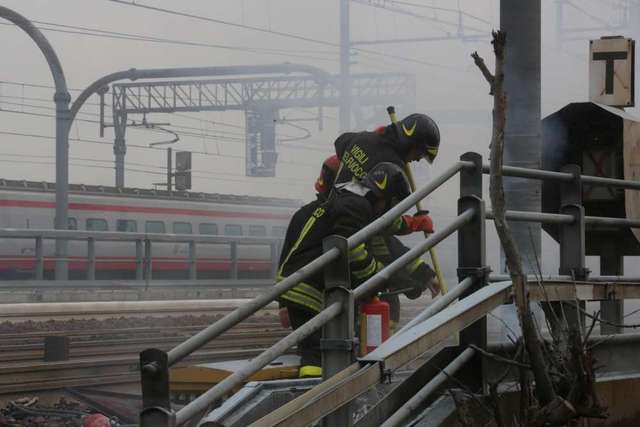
x,y
241,313
202,402
543,174
30,233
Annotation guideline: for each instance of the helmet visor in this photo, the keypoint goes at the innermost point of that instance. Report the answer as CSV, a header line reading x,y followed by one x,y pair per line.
x,y
431,154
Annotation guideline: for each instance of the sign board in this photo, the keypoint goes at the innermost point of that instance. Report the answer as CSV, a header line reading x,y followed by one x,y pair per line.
x,y
612,71
183,180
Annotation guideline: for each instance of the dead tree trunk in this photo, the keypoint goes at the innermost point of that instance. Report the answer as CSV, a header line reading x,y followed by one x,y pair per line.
x,y
533,344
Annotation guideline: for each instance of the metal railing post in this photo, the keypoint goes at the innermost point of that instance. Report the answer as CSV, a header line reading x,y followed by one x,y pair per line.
x,y
148,267
156,403
39,265
234,260
273,248
193,261
572,241
472,263
338,344
91,258
139,260
611,264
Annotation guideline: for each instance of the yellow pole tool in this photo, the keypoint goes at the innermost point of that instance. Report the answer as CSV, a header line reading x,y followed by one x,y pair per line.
x,y
432,252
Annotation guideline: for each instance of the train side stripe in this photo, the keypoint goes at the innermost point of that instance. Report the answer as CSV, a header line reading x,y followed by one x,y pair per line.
x,y
142,209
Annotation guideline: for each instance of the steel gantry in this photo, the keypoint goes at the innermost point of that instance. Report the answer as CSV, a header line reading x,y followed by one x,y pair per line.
x,y
260,98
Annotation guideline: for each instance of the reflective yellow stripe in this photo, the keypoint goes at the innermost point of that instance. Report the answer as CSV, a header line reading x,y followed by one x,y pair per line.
x,y
305,230
303,300
359,253
367,271
310,371
414,265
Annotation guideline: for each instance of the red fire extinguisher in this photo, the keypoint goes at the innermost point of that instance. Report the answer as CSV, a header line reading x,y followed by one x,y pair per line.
x,y
374,324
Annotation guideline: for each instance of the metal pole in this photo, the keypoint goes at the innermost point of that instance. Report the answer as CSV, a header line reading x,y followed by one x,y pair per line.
x,y
61,99
139,260
39,273
148,268
611,263
338,343
234,260
193,261
119,146
169,168
156,404
572,244
521,21
472,263
91,258
401,415
345,80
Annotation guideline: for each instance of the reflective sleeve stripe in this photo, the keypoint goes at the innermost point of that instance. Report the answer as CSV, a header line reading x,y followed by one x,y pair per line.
x,y
305,230
359,253
379,247
298,296
414,265
367,271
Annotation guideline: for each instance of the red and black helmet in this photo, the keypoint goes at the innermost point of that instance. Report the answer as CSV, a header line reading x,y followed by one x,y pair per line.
x,y
330,166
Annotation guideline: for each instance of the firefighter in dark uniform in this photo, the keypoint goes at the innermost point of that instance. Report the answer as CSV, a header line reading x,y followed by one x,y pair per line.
x,y
351,208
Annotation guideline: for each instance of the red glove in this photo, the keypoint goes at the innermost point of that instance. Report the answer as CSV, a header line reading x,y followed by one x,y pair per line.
x,y
419,222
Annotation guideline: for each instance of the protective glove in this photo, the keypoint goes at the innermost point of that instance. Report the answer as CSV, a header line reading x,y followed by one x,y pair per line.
x,y
419,222
424,278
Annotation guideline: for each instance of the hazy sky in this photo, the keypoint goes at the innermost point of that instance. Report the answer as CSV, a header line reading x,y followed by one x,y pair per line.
x,y
447,79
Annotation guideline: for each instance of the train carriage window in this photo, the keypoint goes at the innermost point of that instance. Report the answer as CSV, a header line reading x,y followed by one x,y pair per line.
x,y
127,225
182,228
97,224
233,230
154,227
208,228
72,223
257,230
278,231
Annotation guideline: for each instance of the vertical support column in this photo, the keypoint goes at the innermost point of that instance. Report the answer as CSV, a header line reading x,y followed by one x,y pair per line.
x,y
472,262
611,264
39,273
119,146
139,260
169,169
193,261
91,258
338,343
156,403
148,267
572,241
345,65
273,248
234,260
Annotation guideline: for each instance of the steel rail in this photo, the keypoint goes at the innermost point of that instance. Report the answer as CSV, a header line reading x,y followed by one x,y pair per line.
x,y
438,305
374,282
401,415
542,174
548,218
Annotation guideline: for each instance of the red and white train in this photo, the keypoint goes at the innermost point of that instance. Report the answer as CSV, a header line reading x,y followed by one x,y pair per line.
x,y
31,205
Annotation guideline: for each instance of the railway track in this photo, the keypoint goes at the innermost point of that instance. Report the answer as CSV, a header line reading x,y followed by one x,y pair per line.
x,y
107,337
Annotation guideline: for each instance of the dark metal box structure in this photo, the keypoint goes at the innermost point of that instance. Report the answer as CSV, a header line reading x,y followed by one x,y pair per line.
x,y
603,141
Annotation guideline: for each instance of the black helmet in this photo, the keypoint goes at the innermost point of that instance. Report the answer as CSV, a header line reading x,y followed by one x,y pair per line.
x,y
421,130
388,181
